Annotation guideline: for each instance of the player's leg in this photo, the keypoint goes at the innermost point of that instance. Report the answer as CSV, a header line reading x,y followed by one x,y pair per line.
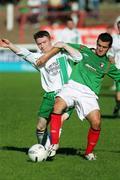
x,y
55,125
117,98
58,128
41,131
56,119
65,116
93,133
44,112
61,103
87,108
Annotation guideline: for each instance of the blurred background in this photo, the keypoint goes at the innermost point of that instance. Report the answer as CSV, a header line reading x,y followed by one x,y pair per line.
x,y
19,19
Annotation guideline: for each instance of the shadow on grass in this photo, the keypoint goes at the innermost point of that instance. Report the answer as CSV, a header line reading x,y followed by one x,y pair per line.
x,y
63,151
110,117
73,151
12,148
69,151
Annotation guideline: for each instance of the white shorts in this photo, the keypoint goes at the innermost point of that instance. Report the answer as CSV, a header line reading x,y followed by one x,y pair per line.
x,y
81,97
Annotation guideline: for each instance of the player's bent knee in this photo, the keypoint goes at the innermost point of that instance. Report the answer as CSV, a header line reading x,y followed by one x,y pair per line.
x,y
59,106
96,124
94,119
42,124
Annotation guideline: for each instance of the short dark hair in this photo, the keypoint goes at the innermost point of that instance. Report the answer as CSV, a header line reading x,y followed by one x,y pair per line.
x,y
69,19
105,37
41,34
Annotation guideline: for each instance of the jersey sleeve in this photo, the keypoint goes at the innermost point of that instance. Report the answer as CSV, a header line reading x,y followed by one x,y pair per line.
x,y
116,43
29,56
110,52
117,60
115,55
75,57
114,73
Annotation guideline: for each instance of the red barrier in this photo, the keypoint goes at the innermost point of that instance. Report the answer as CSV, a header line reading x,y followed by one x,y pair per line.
x,y
88,34
49,14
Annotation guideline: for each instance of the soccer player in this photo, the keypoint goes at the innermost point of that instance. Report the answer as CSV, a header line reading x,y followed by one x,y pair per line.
x,y
114,55
54,73
82,92
70,33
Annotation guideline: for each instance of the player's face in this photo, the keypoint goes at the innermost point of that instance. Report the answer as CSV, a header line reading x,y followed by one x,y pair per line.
x,y
102,48
44,44
70,25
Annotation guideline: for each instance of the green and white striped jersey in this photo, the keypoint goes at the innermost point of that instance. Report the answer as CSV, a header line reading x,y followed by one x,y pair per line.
x,y
55,72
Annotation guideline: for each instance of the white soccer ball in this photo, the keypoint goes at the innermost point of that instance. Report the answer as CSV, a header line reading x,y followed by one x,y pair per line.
x,y
37,153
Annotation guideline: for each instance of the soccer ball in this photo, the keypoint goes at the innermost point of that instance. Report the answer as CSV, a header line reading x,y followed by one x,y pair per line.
x,y
37,153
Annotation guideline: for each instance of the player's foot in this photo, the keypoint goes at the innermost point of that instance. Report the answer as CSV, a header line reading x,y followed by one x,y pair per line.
x,y
116,111
48,143
90,157
52,150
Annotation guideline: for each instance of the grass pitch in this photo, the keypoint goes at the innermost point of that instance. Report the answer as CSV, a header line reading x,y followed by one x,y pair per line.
x,y
20,96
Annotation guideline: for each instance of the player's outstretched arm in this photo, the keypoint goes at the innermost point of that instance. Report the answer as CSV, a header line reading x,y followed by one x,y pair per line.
x,y
43,59
5,43
74,53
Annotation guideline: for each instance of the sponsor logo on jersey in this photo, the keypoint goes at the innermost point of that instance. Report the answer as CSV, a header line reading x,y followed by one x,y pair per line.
x,y
90,67
53,69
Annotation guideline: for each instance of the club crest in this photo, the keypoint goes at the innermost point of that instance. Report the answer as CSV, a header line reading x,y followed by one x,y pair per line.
x,y
101,65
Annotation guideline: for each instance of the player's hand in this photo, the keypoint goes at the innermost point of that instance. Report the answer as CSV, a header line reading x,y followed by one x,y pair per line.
x,y
4,43
43,59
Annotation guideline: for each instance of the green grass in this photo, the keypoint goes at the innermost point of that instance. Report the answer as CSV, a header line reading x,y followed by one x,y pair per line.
x,y
20,95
